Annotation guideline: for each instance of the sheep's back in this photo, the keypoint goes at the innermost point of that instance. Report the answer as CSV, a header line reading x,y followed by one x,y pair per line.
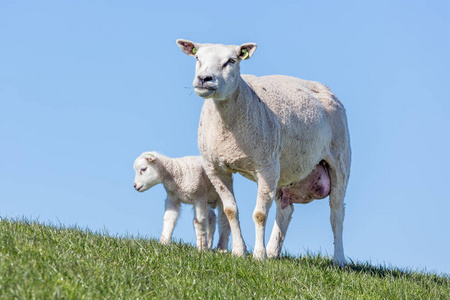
x,y
307,111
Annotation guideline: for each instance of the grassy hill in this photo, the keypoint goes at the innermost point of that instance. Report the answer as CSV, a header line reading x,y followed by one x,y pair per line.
x,y
45,262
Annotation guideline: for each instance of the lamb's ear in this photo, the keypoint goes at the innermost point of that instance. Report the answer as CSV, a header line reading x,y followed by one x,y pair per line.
x,y
245,51
150,157
188,47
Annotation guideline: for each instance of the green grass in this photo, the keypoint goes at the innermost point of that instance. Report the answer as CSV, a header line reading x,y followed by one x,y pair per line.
x,y
45,262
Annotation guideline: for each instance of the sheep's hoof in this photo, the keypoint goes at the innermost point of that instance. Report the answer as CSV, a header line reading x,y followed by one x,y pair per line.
x,y
236,252
272,254
339,262
164,242
259,255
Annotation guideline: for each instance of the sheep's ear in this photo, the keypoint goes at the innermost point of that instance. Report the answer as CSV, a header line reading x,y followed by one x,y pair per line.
x,y
245,51
188,47
150,157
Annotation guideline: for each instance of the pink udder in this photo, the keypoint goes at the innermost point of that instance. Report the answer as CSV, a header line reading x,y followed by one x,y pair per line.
x,y
315,186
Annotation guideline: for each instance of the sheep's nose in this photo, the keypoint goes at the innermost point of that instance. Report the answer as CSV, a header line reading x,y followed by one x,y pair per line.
x,y
204,79
135,185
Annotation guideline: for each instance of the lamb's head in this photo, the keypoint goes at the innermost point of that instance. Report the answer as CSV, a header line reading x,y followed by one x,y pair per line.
x,y
217,71
146,170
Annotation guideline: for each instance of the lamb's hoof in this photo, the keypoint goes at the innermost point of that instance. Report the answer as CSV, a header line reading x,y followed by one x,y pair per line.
x,y
220,250
222,245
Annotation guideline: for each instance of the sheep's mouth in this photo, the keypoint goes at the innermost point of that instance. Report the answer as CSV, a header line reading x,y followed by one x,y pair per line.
x,y
205,92
206,88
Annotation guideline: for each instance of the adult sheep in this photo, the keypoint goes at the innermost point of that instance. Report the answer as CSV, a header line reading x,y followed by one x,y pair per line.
x,y
288,135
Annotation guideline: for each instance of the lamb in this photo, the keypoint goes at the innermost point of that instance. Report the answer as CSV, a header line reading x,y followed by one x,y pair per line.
x,y
288,135
185,181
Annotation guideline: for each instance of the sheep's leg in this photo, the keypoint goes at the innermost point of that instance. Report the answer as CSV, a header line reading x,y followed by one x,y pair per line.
x,y
170,220
267,184
211,227
282,220
201,223
337,220
223,183
337,212
224,229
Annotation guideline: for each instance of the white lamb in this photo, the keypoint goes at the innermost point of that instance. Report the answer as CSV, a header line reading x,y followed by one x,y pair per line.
x,y
185,181
288,135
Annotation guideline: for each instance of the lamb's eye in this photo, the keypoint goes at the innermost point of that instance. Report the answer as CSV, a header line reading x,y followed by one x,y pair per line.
x,y
143,170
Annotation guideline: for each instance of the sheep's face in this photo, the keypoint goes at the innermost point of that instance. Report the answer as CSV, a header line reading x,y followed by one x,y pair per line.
x,y
217,71
147,174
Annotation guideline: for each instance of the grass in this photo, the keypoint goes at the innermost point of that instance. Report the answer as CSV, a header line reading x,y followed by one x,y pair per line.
x,y
48,262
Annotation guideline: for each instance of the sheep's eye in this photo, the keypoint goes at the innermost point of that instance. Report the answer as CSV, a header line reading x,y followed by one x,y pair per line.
x,y
143,170
198,60
229,62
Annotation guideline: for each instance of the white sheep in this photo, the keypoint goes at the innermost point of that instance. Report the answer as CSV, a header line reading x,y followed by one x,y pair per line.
x,y
185,181
279,131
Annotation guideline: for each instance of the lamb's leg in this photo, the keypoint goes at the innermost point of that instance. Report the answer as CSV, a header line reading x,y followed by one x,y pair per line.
x,y
224,229
201,223
267,184
211,227
223,183
282,220
170,220
338,187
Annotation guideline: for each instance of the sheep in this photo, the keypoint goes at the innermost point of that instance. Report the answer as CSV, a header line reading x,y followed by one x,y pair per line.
x,y
185,181
286,134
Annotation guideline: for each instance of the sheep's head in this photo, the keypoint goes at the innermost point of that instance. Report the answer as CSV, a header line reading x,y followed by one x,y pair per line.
x,y
147,174
217,71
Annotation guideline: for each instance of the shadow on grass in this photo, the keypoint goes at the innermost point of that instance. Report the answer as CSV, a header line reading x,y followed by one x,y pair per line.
x,y
387,272
326,263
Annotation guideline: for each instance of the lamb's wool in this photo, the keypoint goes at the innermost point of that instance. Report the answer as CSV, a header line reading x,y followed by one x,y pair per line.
x,y
185,181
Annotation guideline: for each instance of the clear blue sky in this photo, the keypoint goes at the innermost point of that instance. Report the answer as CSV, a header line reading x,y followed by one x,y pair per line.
x,y
86,86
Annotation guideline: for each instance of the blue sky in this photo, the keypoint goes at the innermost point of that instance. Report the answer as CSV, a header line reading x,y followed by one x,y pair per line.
x,y
86,86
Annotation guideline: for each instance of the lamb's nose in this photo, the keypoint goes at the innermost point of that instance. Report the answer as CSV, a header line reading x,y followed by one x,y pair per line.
x,y
135,185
